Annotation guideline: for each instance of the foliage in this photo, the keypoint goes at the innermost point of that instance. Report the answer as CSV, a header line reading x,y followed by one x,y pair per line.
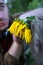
x,y
24,5
18,5
15,6
35,4
29,57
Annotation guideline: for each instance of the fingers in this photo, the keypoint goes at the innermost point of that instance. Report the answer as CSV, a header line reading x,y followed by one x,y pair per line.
x,y
17,39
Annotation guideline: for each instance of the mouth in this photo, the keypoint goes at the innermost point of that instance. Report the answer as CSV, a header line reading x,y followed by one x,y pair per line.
x,y
2,24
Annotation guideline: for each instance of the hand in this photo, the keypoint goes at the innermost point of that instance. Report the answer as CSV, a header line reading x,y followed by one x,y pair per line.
x,y
17,39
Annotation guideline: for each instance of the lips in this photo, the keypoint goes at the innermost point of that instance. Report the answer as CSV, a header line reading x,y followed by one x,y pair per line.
x,y
2,24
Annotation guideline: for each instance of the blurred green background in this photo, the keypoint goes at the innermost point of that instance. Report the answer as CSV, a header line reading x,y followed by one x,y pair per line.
x,y
16,6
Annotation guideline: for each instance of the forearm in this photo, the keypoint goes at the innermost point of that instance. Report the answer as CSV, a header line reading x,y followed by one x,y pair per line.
x,y
15,50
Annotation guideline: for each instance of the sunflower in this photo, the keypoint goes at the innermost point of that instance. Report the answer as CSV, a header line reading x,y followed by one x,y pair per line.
x,y
22,29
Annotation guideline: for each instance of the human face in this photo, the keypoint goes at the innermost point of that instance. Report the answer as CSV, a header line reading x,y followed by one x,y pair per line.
x,y
4,17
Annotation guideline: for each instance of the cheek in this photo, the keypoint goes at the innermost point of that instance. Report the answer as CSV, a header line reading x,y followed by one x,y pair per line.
x,y
6,13
3,27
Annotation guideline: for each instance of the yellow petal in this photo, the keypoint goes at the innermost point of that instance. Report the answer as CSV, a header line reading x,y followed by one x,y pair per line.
x,y
28,35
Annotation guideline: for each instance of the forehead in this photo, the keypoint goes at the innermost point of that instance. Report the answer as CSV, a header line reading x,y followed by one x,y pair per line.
x,y
1,1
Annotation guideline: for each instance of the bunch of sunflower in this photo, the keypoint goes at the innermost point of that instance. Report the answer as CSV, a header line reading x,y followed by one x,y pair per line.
x,y
22,28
